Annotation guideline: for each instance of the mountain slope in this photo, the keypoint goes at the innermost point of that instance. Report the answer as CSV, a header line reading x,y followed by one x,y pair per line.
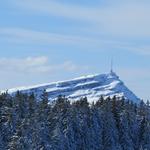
x,y
92,86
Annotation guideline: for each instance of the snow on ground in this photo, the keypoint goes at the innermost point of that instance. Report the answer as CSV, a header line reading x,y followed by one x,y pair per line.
x,y
91,86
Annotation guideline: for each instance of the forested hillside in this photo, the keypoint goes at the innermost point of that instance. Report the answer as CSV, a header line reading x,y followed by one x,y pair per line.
x,y
29,124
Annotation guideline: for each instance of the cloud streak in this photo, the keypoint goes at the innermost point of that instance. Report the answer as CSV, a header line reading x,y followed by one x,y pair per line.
x,y
24,65
31,36
128,18
115,20
35,65
26,36
27,71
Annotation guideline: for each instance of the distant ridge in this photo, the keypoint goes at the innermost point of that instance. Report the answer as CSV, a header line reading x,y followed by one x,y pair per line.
x,y
91,86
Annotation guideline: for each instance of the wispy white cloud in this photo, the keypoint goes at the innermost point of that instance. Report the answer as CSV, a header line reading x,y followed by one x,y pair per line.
x,y
129,18
113,26
31,36
56,8
24,65
142,49
27,71
26,36
118,19
34,65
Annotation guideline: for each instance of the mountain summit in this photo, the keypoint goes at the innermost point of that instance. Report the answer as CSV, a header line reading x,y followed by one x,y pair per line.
x,y
91,86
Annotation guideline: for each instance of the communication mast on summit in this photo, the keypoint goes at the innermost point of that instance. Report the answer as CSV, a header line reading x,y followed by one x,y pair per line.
x,y
111,66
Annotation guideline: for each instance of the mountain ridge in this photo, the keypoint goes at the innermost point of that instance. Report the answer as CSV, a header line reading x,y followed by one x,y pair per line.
x,y
91,86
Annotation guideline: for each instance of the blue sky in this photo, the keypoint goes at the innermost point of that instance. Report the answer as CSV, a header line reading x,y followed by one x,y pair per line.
x,y
50,40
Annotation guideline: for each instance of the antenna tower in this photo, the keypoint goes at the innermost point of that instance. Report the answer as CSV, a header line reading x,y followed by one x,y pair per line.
x,y
111,66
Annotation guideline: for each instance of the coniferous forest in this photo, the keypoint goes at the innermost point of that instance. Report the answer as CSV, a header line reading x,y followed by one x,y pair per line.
x,y
30,123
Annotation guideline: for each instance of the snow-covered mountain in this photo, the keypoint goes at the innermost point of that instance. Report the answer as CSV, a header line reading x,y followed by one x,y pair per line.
x,y
91,86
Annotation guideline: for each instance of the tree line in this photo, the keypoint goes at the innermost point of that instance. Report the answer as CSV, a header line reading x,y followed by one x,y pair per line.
x,y
27,123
